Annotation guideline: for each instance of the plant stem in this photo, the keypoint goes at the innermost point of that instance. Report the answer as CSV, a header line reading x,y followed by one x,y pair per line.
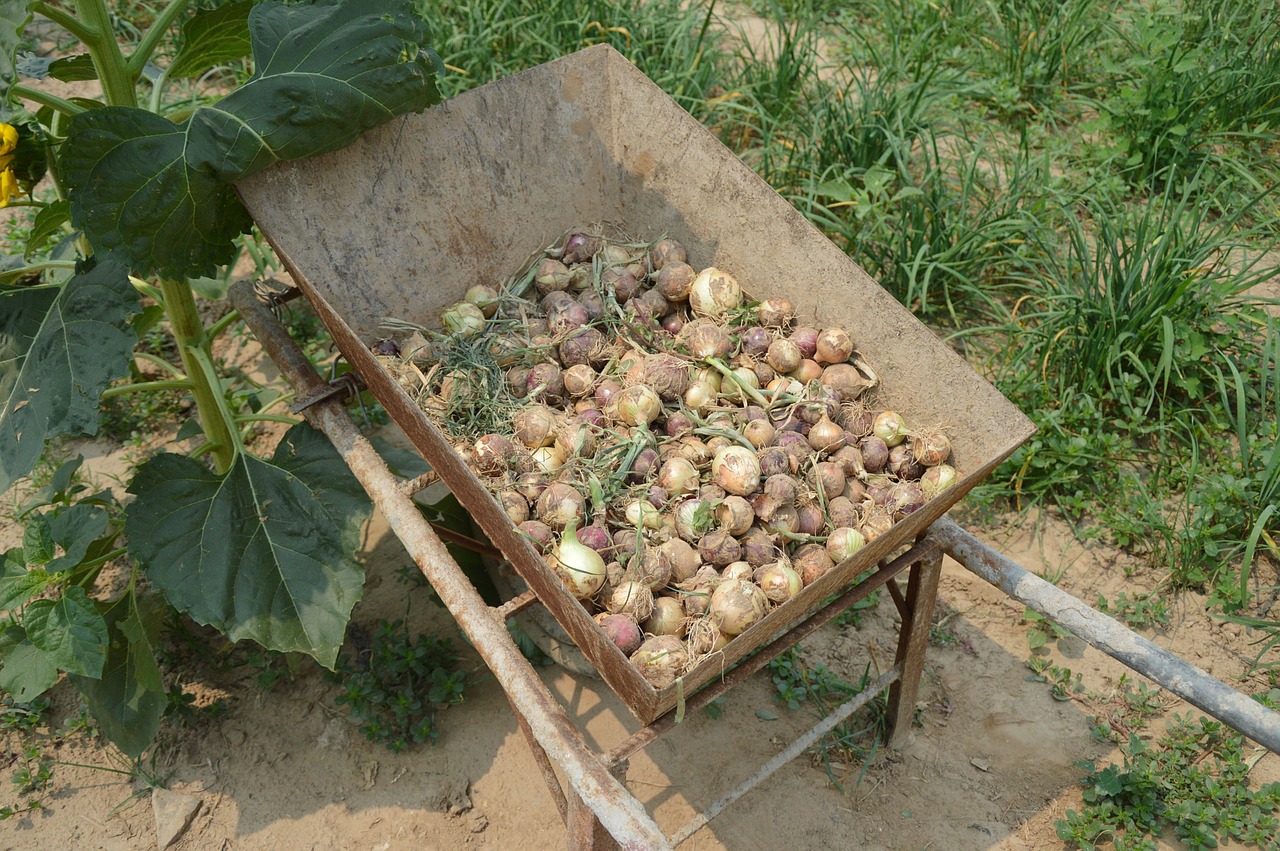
x,y
142,386
160,362
117,83
266,418
62,105
193,346
222,324
151,40
68,22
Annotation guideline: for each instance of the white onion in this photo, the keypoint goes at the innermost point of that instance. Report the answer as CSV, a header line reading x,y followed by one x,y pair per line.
x,y
714,293
548,459
737,470
463,319
888,426
578,566
778,581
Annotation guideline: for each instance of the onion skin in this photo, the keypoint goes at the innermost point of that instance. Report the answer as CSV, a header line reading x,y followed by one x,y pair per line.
x,y
705,339
667,376
492,454
661,660
638,405
737,605
735,515
845,380
736,469
535,426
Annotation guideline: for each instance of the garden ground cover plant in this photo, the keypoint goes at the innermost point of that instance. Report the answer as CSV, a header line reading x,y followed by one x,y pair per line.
x,y
1028,208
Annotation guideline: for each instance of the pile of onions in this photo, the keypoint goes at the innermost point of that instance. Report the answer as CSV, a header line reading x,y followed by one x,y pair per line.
x,y
684,458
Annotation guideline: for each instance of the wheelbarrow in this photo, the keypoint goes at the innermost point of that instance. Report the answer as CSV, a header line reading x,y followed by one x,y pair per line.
x,y
401,223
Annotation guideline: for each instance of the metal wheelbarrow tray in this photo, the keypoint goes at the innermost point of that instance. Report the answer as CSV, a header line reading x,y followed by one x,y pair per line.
x,y
401,223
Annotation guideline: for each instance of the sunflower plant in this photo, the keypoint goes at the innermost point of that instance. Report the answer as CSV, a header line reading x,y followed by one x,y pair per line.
x,y
140,202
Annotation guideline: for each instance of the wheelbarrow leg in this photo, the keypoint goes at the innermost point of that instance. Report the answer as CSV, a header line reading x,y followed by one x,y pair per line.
x,y
913,641
586,833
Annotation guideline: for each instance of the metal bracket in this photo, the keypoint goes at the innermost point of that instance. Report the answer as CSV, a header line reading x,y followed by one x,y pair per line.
x,y
341,388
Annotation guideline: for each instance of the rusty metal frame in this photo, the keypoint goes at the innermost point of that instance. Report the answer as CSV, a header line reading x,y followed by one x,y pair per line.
x,y
599,812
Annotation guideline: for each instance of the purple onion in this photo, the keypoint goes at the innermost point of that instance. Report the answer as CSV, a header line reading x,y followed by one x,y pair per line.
x,y
592,304
811,520
597,538
585,346
623,631
774,460
806,339
656,496
580,247
386,348
903,463
906,498
672,323
755,341
606,392
644,465
678,424
875,454
566,316
591,416
538,533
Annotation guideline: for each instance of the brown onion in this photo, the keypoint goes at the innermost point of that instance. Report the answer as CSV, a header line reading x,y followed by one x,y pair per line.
x,y
845,380
735,515
665,252
668,618
843,543
833,346
810,519
560,504
661,660
843,512
783,355
579,380
930,447
682,560
736,469
514,506
827,478
719,548
826,436
674,280
759,432
775,312
737,605
778,581
811,561
535,426
705,339
667,375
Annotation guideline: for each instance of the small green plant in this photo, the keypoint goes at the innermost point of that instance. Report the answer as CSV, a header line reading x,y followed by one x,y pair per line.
x,y
396,686
1063,684
1194,779
1138,611
1041,631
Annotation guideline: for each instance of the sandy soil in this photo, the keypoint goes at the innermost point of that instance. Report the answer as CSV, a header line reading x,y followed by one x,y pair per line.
x,y
989,766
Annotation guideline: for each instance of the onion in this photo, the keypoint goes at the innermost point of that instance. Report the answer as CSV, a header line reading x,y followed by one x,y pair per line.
x,y
876,522
704,639
796,445
551,276
566,316
693,518
782,489
678,476
514,506
462,319
672,323
579,380
597,537
827,478
843,512
811,561
714,293
545,384
850,460
645,462
843,542
492,453
757,547
736,469
640,513
623,631
775,312
674,280
625,542
531,485
576,439
808,370
888,426
854,490
736,605
735,515
903,464
535,426
586,345
937,479
678,424
631,598
638,405
875,454
548,459
624,285
719,548
785,519
826,436
606,392
699,397
845,380
682,559
697,590
483,297
907,498
774,460
517,380
856,419
579,567
666,375
539,533
783,355
809,519
667,618
661,660
755,341
759,433
930,447
706,339
592,302
581,246
778,581
745,377
807,340
664,252
833,346
653,301
560,505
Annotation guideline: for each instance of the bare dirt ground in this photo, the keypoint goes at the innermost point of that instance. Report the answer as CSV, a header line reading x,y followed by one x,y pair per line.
x,y
990,764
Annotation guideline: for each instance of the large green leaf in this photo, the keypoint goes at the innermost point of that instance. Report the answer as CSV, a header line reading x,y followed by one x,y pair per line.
x,y
26,672
75,529
324,74
69,631
18,584
211,37
59,348
14,17
129,698
263,552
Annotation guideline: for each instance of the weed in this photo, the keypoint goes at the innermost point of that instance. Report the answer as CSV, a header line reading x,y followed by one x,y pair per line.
x,y
1140,610
1194,779
396,687
1063,684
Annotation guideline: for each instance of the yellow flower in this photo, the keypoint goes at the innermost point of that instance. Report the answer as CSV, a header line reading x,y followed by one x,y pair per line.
x,y
8,186
8,182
